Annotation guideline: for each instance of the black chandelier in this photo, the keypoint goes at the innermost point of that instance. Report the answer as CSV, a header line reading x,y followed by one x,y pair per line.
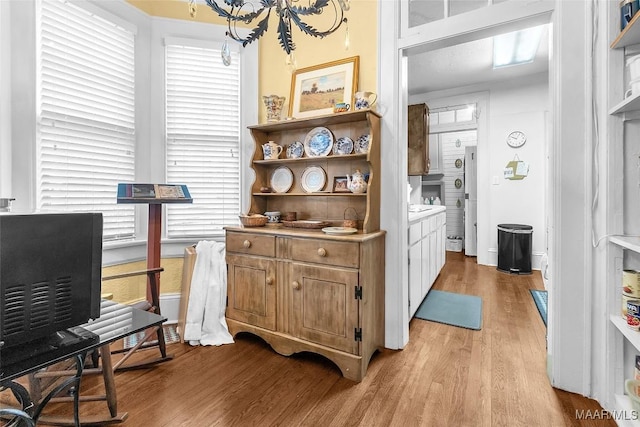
x,y
289,12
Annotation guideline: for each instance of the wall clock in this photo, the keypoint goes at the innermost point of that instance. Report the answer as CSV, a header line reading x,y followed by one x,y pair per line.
x,y
516,139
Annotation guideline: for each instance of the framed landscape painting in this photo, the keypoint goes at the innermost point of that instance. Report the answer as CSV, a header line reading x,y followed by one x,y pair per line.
x,y
315,90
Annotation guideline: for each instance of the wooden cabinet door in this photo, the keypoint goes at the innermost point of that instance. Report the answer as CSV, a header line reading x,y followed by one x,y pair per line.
x,y
324,306
251,290
418,132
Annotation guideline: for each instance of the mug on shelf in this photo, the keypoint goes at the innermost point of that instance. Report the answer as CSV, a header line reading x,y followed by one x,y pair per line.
x,y
341,107
271,150
273,216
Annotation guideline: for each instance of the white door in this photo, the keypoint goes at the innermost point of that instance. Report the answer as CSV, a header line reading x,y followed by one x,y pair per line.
x,y
470,202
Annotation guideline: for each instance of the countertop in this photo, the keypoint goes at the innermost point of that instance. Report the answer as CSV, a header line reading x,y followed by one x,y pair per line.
x,y
428,210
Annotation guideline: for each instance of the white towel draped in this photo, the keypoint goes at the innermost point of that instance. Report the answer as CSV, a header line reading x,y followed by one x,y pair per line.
x,y
205,323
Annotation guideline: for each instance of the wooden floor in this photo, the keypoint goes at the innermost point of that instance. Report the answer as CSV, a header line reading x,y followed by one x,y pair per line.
x,y
446,376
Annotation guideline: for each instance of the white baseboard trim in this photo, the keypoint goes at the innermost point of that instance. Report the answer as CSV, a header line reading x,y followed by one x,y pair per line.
x,y
170,306
536,258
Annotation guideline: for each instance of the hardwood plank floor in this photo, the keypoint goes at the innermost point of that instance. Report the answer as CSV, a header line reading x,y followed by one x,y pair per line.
x,y
446,376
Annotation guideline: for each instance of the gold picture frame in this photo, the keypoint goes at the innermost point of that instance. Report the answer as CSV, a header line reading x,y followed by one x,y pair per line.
x,y
314,90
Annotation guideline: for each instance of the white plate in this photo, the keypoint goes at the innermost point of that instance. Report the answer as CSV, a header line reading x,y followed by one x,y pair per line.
x,y
318,142
281,179
340,230
313,179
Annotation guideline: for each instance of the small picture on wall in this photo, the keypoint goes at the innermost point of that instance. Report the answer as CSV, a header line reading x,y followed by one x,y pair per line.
x,y
340,184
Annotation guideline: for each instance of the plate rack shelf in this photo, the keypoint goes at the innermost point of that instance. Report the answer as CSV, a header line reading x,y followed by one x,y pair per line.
x,y
625,342
325,205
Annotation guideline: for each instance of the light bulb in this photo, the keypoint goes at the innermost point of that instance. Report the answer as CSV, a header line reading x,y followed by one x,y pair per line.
x,y
347,42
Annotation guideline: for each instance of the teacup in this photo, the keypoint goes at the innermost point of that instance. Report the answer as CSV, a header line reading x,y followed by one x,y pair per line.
x,y
341,107
273,216
364,100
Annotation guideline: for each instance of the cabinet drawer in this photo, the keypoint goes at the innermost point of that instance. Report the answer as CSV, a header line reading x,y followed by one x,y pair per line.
x,y
345,254
254,244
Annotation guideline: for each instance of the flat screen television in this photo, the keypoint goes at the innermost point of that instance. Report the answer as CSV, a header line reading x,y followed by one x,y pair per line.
x,y
50,274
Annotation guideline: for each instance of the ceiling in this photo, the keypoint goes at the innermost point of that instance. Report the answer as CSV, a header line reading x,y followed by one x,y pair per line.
x,y
468,64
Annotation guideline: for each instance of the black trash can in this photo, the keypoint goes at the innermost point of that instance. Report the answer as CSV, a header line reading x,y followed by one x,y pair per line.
x,y
514,248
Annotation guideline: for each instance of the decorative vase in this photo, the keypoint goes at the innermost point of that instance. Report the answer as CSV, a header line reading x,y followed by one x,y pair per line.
x,y
274,104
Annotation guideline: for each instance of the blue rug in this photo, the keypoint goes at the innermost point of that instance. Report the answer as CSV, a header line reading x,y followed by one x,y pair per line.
x,y
540,298
464,311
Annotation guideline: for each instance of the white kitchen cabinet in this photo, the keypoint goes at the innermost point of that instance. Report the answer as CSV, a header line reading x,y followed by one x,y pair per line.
x,y
426,253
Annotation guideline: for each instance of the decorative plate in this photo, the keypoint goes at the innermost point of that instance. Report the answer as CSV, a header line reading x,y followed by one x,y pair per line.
x,y
343,145
340,230
362,143
313,179
295,150
281,179
318,142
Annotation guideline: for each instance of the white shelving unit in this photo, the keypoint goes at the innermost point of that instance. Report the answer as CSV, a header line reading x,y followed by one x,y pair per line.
x,y
627,109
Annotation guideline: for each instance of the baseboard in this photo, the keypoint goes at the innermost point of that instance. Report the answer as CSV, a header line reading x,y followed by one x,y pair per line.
x,y
170,306
536,258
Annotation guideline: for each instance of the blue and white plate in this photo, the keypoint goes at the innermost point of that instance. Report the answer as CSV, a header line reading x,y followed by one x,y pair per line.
x,y
362,144
343,145
318,142
295,150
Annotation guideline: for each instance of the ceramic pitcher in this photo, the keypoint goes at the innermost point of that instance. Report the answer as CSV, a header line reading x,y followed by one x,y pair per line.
x,y
274,104
365,100
271,150
356,182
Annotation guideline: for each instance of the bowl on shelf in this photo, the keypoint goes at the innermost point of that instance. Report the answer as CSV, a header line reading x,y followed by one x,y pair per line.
x,y
253,220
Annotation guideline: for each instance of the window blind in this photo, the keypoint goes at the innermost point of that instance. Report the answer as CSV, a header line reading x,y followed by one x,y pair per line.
x,y
203,132
86,115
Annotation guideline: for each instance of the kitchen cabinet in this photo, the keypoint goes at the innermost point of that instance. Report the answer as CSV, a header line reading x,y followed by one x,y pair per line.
x,y
316,292
418,135
624,250
298,288
435,155
427,237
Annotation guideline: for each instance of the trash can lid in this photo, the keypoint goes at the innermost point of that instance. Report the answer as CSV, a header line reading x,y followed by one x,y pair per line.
x,y
515,227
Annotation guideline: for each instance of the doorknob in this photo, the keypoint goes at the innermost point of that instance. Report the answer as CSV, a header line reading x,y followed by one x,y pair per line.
x,y
296,285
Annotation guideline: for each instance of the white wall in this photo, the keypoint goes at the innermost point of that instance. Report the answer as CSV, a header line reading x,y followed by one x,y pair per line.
x,y
515,105
5,97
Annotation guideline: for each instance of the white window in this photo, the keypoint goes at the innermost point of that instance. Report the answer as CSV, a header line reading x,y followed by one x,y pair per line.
x,y
86,114
203,119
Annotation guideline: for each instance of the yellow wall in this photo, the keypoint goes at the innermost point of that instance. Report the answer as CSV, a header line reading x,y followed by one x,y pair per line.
x,y
133,289
274,76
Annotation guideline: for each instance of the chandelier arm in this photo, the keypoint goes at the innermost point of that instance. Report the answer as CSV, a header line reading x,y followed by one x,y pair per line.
x,y
284,34
231,16
308,29
314,9
254,35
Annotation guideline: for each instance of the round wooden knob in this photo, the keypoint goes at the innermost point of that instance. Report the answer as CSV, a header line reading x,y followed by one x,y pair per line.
x,y
322,252
296,285
246,244
269,281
